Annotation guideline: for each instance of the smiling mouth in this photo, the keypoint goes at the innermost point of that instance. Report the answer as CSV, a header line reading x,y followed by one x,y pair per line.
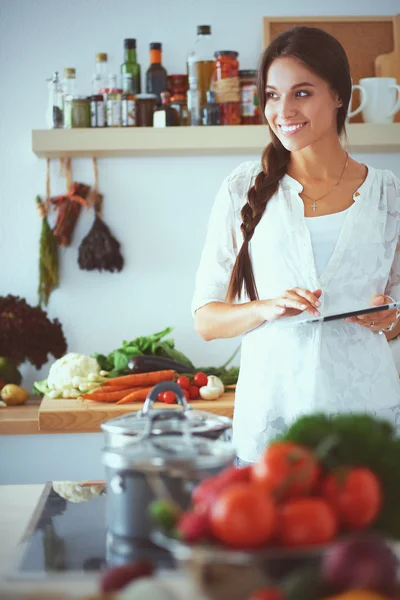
x,y
290,129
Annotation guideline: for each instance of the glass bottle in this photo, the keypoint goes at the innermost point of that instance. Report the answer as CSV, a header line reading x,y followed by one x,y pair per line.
x,y
200,67
130,65
128,104
113,102
156,75
69,90
54,116
100,74
211,110
165,116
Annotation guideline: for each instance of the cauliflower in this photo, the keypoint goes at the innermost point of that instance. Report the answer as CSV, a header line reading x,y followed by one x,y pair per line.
x,y
72,365
74,491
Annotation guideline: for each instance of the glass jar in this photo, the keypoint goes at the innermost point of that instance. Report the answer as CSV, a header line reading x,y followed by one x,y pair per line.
x,y
250,114
77,112
145,106
226,86
178,86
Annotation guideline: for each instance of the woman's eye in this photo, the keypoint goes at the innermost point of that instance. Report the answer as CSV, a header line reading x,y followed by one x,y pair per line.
x,y
303,93
271,95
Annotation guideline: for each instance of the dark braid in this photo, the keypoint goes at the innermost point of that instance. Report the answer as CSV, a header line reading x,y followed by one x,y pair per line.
x,y
325,56
275,160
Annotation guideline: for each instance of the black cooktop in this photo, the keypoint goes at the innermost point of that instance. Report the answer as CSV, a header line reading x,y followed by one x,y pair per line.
x,y
70,538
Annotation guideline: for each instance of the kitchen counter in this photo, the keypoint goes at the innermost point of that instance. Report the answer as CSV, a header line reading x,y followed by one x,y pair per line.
x,y
17,503
83,416
21,419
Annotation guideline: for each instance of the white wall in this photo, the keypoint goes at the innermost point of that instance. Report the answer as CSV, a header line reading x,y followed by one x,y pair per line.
x,y
157,207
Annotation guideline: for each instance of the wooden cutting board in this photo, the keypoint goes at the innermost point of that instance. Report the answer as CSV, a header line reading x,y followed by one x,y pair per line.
x,y
72,416
388,65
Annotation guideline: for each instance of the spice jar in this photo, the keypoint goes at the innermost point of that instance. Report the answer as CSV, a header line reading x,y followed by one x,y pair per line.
x,y
250,113
145,106
226,86
77,112
177,87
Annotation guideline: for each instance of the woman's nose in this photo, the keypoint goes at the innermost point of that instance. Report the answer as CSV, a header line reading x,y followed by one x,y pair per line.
x,y
286,109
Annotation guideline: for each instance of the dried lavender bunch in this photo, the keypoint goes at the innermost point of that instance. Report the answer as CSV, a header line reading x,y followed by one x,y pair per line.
x,y
26,333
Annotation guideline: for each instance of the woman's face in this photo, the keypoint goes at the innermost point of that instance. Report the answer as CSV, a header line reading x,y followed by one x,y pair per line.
x,y
300,106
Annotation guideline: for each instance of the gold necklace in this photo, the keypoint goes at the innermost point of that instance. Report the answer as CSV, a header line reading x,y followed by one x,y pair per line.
x,y
314,205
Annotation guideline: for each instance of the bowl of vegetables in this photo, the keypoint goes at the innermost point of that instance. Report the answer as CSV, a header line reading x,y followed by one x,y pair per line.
x,y
318,512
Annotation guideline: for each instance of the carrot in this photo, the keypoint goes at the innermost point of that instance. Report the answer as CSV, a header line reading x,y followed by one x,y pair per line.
x,y
142,379
106,396
116,388
136,395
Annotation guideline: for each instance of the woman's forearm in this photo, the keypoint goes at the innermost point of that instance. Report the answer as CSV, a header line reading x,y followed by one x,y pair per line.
x,y
218,320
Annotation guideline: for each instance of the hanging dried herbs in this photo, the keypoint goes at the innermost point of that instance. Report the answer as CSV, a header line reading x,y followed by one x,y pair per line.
x,y
48,257
99,250
69,206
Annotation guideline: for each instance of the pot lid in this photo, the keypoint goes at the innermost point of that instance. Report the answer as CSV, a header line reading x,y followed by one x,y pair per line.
x,y
169,421
175,456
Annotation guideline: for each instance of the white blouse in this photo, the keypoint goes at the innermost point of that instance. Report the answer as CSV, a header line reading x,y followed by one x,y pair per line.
x,y
324,234
332,367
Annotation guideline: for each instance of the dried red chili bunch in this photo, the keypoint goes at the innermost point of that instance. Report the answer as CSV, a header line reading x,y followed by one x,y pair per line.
x,y
26,333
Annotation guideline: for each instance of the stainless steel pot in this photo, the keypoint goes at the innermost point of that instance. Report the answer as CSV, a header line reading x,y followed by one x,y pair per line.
x,y
157,466
123,430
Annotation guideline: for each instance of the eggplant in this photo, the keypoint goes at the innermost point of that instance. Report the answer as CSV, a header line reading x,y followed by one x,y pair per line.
x,y
148,363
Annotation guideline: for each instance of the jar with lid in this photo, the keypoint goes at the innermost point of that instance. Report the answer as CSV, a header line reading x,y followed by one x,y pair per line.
x,y
145,107
226,86
177,87
250,114
77,112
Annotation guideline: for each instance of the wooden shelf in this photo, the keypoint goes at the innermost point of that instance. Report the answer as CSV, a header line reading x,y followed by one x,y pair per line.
x,y
180,141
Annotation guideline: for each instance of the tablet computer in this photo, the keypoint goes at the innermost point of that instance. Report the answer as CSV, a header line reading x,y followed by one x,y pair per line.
x,y
345,315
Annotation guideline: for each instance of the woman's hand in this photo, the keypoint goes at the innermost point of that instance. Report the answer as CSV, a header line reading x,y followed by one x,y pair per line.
x,y
379,320
291,303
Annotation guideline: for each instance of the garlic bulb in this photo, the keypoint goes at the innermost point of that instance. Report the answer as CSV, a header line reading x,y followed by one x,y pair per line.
x,y
213,390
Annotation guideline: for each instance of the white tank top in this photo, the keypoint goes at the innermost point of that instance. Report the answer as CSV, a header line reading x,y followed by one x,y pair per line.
x,y
324,233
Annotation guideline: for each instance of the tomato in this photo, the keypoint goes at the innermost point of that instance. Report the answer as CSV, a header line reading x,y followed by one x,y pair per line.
x,y
184,382
287,470
268,593
235,475
187,395
243,516
160,397
355,495
200,379
194,392
306,522
168,397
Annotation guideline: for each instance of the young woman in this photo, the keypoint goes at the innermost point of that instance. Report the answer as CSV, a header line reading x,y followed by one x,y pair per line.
x,y
307,230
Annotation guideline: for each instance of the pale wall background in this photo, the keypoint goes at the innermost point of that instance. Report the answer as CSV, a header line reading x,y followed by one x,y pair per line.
x,y
157,207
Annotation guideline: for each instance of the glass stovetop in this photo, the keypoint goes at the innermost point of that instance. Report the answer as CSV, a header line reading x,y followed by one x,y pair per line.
x,y
70,538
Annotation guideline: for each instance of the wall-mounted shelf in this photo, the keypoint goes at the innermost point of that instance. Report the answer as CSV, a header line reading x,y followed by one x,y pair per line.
x,y
173,141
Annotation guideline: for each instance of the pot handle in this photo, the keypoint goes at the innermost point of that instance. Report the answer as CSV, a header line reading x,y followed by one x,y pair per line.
x,y
164,386
163,415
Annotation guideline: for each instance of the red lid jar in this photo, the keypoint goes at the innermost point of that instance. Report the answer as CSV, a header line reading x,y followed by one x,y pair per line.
x,y
226,86
249,109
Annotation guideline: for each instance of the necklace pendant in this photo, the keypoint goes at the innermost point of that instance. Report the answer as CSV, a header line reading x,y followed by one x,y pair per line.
x,y
314,206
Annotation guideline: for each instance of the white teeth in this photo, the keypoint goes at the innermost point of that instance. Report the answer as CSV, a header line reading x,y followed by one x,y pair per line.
x,y
291,127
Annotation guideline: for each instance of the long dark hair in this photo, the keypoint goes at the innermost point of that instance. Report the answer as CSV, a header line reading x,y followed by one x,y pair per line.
x,y
325,56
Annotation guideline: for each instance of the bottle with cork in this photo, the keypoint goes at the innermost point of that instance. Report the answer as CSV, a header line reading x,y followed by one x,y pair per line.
x,y
156,75
200,68
130,64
